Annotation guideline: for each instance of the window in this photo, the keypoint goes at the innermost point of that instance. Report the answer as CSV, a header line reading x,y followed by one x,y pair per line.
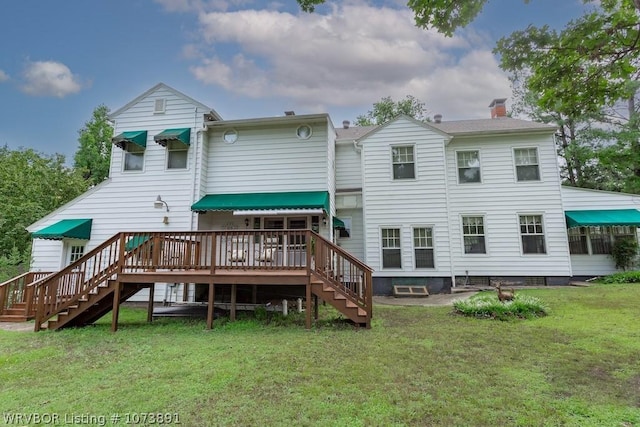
x,y
597,240
578,241
391,248
403,162
304,132
473,235
345,233
423,247
468,166
532,234
133,158
75,253
527,164
177,154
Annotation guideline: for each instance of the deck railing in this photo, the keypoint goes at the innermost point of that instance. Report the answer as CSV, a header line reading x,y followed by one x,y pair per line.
x,y
135,252
20,290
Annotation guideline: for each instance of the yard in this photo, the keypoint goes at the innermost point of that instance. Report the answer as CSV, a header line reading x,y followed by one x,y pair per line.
x,y
579,366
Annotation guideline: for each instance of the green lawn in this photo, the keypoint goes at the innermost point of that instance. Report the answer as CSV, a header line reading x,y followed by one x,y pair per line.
x,y
579,366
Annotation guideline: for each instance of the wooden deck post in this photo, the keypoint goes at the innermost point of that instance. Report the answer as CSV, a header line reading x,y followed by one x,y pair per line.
x,y
150,306
315,307
116,307
211,305
254,294
308,305
232,313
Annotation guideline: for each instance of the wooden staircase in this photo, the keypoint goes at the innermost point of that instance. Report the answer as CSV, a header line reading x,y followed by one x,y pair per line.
x,y
86,290
340,301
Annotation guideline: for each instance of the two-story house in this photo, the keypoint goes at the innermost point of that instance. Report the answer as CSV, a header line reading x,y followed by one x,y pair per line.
x,y
436,204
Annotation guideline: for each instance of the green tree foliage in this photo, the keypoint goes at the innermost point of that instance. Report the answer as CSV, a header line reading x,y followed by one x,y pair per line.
x,y
577,76
94,150
31,185
387,109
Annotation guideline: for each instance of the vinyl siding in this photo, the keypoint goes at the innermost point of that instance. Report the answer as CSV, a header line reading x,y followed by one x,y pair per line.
x,y
268,159
125,201
405,203
575,199
355,243
500,199
348,167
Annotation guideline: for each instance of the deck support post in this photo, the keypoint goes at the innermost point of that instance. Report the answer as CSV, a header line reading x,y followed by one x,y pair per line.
x,y
232,313
150,305
315,307
185,292
116,307
308,306
211,305
254,294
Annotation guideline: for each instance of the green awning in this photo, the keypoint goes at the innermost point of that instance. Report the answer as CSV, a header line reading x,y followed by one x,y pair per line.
x,y
263,201
600,218
138,137
182,135
338,223
66,229
136,241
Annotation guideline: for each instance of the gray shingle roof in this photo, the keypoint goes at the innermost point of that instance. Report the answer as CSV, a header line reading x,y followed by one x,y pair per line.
x,y
354,132
502,124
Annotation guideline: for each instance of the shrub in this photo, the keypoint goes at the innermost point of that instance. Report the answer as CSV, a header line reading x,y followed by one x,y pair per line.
x,y
624,277
488,306
624,252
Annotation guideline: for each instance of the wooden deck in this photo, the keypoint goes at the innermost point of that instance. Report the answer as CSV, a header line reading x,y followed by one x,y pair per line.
x,y
129,261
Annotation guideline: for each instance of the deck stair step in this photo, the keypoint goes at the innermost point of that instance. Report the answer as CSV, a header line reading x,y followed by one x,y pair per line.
x,y
337,298
13,318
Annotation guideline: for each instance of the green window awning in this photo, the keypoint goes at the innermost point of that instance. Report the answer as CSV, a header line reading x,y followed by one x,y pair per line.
x,y
182,135
136,241
338,223
66,229
601,218
138,137
263,201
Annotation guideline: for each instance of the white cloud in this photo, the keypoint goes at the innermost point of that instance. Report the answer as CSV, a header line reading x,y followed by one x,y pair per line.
x,y
50,78
354,55
3,76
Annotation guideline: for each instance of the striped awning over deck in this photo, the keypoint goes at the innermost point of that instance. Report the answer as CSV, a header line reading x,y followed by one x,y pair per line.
x,y
263,201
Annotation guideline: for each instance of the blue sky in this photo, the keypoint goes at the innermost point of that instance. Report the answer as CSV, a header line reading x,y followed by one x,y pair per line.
x,y
62,58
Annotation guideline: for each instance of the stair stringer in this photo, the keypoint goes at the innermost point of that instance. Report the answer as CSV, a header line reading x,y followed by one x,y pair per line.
x,y
345,304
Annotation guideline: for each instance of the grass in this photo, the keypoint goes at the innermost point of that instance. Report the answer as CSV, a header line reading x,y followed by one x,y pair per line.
x,y
487,305
417,366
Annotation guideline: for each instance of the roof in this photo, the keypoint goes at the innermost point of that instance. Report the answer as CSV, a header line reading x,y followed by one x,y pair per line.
x,y
497,125
271,120
170,89
353,132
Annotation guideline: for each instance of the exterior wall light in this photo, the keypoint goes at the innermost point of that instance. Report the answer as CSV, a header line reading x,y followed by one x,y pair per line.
x,y
159,203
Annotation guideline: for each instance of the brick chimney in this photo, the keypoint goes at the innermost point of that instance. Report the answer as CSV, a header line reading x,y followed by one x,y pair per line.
x,y
498,108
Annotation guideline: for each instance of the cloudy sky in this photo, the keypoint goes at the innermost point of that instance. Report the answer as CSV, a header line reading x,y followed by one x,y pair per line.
x,y
62,58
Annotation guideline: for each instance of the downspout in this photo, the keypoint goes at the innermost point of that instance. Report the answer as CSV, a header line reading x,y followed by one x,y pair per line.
x,y
449,228
195,166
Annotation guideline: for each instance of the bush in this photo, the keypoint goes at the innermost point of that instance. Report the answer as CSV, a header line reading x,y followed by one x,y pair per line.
x,y
488,306
625,277
624,252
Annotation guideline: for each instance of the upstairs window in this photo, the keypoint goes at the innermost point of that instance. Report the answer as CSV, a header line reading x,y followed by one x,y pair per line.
x,y
177,155
391,257
527,167
468,166
403,162
532,234
133,158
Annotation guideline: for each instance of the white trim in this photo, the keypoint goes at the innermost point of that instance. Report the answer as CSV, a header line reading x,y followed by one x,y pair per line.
x,y
276,212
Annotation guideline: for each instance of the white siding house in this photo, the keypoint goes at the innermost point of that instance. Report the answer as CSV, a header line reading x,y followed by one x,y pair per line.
x,y
434,204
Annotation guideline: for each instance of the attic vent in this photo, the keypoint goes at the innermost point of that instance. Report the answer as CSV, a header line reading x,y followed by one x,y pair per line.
x,y
159,106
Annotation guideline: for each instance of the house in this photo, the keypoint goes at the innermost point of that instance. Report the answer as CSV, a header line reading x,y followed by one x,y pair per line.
x,y
435,204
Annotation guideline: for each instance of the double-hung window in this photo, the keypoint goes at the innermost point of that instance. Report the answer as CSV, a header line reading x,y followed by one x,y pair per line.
x,y
133,158
177,154
402,159
527,166
423,247
468,166
473,235
391,257
532,234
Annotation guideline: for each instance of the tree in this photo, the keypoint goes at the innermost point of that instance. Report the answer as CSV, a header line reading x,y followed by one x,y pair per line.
x,y
94,150
387,109
577,76
31,186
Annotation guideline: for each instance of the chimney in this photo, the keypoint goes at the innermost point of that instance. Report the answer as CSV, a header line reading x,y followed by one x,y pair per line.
x,y
289,113
498,108
345,124
437,118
